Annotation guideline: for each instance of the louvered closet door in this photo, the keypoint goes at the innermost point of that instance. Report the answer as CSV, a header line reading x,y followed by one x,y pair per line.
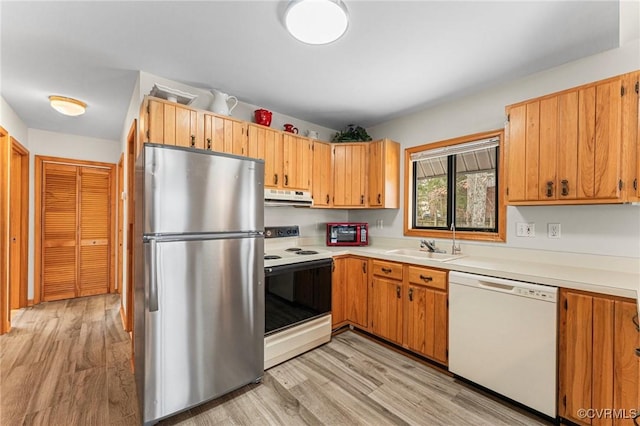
x,y
76,247
94,232
59,231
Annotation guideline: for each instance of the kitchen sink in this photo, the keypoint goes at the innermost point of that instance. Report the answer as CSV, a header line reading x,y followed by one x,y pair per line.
x,y
420,254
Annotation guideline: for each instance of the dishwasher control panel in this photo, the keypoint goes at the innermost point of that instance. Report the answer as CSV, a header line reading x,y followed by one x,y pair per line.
x,y
536,294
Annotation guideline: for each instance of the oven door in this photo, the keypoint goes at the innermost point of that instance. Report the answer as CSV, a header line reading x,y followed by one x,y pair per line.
x,y
296,293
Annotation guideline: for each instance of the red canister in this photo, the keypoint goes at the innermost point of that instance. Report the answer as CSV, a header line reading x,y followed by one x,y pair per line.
x,y
263,117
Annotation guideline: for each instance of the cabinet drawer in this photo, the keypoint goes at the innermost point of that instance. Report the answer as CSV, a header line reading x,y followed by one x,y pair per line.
x,y
428,277
387,269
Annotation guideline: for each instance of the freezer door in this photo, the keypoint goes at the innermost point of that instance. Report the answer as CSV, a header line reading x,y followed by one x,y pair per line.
x,y
204,321
196,191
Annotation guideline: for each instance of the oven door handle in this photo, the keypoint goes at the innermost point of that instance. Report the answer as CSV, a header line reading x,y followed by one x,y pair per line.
x,y
299,266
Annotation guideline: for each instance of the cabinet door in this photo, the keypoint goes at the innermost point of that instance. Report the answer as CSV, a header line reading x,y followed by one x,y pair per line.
x,y
576,355
567,168
426,322
356,291
599,132
626,392
225,135
322,179
548,149
338,292
516,153
630,140
384,174
172,124
386,311
349,168
296,153
266,144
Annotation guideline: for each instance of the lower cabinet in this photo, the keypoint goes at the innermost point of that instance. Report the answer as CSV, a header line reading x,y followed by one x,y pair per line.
x,y
426,312
599,370
385,315
349,291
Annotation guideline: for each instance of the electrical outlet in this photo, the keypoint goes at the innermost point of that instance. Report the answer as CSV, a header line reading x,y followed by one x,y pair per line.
x,y
525,229
553,230
379,223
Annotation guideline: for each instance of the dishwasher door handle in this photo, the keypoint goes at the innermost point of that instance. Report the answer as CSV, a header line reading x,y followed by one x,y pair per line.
x,y
497,286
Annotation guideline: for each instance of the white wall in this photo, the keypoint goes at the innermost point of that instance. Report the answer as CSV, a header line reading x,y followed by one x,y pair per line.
x,y
65,146
243,111
611,230
311,221
12,123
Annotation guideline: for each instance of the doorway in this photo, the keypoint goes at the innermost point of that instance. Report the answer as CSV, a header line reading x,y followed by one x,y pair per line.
x,y
18,225
74,223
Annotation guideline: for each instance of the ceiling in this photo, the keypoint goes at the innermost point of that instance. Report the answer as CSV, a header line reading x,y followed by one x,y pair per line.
x,y
397,57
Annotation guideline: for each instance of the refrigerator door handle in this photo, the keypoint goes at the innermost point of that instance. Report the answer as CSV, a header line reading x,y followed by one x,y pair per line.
x,y
153,278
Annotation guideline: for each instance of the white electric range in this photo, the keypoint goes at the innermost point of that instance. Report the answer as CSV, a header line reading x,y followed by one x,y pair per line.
x,y
297,295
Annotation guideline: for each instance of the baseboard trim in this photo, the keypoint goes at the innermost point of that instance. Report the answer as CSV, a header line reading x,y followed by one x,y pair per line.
x,y
30,302
123,317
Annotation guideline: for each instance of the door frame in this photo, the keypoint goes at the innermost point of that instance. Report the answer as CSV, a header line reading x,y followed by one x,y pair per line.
x,y
5,320
23,220
40,161
132,142
120,242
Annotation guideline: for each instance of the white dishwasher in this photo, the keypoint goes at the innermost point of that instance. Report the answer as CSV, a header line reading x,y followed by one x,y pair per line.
x,y
502,335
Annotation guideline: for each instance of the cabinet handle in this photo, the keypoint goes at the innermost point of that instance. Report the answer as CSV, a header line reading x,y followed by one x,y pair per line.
x,y
635,184
333,266
549,189
411,294
209,144
386,270
426,278
379,198
364,267
565,187
398,291
327,198
635,322
193,141
275,179
286,180
362,199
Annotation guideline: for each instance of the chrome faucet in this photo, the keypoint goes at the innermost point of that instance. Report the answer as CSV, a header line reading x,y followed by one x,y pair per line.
x,y
455,249
430,245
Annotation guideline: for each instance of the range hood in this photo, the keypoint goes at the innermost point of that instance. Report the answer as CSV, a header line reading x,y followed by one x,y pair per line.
x,y
287,197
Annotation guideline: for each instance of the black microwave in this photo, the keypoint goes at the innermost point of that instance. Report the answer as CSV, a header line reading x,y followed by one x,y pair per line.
x,y
347,234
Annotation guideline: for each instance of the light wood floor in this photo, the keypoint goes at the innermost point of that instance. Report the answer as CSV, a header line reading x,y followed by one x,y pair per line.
x,y
67,363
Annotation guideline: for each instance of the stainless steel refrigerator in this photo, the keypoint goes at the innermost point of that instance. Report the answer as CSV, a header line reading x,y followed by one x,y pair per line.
x,y
199,277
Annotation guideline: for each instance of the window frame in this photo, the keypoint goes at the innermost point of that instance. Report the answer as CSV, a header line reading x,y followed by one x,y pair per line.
x,y
409,201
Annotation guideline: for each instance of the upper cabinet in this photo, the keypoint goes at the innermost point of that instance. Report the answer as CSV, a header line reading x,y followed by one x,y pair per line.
x,y
171,124
631,135
572,147
225,134
384,174
322,179
266,144
349,174
296,169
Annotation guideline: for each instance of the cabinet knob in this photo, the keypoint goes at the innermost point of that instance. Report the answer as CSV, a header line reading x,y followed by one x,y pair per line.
x,y
362,199
426,278
565,187
193,141
550,189
209,144
411,294
398,291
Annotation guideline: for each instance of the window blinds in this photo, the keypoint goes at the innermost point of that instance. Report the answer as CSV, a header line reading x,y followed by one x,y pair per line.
x,y
455,149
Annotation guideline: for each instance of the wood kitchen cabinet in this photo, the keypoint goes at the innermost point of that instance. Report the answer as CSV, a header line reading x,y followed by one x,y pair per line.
x,y
566,148
322,179
349,174
170,123
297,162
385,305
349,292
266,144
630,135
598,368
384,174
426,312
225,134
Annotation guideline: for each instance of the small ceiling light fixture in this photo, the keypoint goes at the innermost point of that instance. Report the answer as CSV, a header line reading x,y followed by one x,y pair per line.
x,y
67,106
316,21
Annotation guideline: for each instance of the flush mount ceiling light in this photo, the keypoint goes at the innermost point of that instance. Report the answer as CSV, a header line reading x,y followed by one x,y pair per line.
x,y
67,106
316,21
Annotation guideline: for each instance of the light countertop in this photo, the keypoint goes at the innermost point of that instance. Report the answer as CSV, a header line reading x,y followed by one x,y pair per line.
x,y
615,282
